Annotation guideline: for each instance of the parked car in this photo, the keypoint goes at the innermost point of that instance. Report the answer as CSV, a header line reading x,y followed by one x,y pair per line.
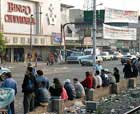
x,y
127,57
3,71
106,56
75,57
138,54
88,61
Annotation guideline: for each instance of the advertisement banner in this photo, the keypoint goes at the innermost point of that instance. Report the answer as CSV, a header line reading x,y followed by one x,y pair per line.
x,y
119,33
114,15
56,37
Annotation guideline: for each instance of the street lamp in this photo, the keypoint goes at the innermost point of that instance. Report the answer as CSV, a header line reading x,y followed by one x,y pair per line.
x,y
94,36
31,37
40,14
63,33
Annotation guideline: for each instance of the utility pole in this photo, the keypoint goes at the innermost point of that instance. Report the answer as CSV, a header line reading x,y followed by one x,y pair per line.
x,y
31,37
94,36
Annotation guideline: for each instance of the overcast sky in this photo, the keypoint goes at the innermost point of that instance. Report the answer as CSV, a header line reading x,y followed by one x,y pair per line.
x,y
119,4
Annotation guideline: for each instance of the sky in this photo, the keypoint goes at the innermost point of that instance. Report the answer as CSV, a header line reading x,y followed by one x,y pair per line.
x,y
117,4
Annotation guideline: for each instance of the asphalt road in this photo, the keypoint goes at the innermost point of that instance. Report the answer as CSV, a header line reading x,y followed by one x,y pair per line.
x,y
61,71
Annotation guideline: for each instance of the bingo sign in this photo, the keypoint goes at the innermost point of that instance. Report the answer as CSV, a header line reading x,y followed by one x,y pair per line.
x,y
56,37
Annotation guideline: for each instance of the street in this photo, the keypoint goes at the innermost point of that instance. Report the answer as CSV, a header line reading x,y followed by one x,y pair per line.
x,y
61,71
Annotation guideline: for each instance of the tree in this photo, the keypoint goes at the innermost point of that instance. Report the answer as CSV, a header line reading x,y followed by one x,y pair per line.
x,y
2,46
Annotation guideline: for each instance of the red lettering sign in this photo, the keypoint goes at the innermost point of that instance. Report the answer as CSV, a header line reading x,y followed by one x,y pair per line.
x,y
19,8
19,19
12,7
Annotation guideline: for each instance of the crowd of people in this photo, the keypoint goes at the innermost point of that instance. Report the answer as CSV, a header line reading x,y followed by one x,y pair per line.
x,y
38,89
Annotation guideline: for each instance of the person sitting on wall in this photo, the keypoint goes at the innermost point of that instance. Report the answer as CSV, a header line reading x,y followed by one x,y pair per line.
x,y
42,94
70,89
99,79
111,78
79,89
56,89
105,78
41,78
87,83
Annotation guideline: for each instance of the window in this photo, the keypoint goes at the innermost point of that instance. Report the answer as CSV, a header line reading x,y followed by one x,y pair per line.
x,y
15,40
35,40
22,40
42,41
6,39
28,41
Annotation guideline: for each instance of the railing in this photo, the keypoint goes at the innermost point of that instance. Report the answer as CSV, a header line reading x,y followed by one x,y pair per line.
x,y
134,111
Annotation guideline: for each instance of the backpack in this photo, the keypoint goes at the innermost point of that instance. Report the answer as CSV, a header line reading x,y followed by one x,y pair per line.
x,y
29,85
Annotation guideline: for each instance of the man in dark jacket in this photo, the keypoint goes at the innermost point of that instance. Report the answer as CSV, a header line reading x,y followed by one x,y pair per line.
x,y
28,88
130,70
135,71
70,89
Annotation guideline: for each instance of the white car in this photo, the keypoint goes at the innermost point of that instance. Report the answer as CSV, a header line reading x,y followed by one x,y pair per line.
x,y
4,70
76,57
106,56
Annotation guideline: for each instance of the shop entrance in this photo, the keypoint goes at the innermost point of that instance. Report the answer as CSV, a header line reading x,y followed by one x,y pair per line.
x,y
18,54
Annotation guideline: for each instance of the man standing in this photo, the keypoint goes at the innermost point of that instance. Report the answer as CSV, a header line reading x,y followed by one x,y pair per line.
x,y
130,70
10,83
99,66
28,88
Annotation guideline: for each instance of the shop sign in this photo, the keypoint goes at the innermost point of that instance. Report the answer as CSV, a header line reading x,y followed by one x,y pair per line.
x,y
56,37
21,9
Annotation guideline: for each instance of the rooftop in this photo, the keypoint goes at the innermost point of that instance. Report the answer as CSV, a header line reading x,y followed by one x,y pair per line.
x,y
66,6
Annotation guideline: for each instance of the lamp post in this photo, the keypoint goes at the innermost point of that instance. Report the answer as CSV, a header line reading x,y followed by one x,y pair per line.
x,y
40,19
30,37
94,36
63,33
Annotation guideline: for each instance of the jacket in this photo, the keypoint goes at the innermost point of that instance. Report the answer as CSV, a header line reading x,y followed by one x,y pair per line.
x,y
55,91
70,90
80,92
127,71
28,78
64,94
88,82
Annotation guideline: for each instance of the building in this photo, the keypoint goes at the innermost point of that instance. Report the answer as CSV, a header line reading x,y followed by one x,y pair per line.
x,y
30,26
112,28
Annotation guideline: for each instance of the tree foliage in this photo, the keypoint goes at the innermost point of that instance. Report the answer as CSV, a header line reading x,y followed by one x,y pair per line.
x,y
2,45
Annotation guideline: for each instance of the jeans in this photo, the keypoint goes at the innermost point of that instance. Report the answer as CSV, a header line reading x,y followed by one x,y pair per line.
x,y
28,102
12,107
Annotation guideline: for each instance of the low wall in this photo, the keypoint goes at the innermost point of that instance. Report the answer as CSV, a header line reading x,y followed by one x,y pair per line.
x,y
123,85
94,94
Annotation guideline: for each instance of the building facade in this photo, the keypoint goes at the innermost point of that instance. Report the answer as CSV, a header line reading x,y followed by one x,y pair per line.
x,y
30,26
112,28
